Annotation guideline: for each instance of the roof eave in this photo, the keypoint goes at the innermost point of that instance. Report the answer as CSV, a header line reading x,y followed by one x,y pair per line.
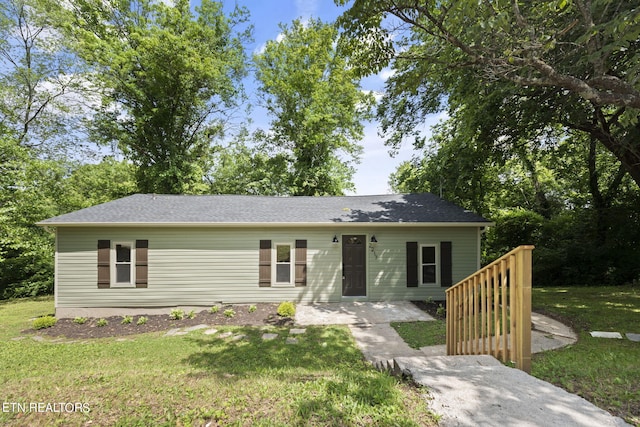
x,y
267,224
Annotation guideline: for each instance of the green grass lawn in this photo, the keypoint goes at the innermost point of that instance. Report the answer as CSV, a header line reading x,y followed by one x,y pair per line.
x,y
422,334
603,371
195,379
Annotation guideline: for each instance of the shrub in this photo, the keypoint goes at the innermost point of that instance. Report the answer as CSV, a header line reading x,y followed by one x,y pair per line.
x,y
252,308
229,312
80,320
44,322
514,227
191,314
214,309
441,311
286,309
126,320
177,314
102,322
142,320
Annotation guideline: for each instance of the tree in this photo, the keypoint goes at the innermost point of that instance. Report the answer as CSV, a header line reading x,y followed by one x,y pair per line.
x,y
577,59
316,104
456,166
569,198
90,184
241,169
171,79
33,189
38,75
29,189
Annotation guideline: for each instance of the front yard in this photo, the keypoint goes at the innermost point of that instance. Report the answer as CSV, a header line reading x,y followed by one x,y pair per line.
x,y
196,379
604,371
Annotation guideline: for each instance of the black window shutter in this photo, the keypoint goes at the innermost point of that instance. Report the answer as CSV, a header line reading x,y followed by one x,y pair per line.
x,y
264,265
104,264
142,248
301,263
446,264
412,264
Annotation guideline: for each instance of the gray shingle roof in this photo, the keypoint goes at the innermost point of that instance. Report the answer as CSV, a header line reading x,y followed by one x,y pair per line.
x,y
233,209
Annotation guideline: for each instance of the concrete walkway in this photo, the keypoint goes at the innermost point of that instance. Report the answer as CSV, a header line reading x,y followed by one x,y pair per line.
x,y
378,341
465,390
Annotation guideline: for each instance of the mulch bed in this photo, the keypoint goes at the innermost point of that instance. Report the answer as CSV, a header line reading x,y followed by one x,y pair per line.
x,y
431,307
265,314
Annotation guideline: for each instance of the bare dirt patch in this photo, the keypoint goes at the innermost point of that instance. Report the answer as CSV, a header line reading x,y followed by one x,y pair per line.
x,y
264,314
432,308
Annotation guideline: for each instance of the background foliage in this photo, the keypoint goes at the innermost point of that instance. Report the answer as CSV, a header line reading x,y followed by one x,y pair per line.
x,y
102,99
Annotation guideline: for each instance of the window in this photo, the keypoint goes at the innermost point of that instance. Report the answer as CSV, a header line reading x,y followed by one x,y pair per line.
x,y
122,264
283,263
123,255
428,264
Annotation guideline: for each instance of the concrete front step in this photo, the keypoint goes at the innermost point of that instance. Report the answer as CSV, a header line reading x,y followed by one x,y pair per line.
x,y
405,366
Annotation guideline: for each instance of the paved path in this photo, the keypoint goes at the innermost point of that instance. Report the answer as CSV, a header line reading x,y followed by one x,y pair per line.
x,y
358,313
480,391
369,324
465,390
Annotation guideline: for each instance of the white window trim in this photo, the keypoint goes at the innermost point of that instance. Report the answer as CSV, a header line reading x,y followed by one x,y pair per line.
x,y
437,263
274,265
113,258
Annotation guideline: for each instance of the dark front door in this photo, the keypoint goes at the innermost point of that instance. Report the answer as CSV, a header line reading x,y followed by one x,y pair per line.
x,y
354,255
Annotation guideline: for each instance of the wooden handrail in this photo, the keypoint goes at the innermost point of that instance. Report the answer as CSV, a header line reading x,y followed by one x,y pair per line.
x,y
489,312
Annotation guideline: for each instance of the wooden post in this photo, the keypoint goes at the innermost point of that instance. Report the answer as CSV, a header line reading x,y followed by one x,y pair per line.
x,y
476,349
513,266
523,299
450,310
496,313
504,320
465,315
483,317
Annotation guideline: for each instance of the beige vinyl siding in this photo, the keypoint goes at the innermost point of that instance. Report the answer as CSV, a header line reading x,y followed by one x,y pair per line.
x,y
205,265
193,266
387,272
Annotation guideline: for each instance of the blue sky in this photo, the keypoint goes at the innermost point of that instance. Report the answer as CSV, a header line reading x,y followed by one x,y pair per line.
x,y
372,173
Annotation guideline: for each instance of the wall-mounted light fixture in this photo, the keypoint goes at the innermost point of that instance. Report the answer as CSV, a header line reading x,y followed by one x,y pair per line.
x,y
373,242
335,240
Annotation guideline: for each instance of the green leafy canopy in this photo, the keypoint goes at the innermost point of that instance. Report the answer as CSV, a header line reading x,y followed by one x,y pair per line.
x,y
171,79
571,63
316,104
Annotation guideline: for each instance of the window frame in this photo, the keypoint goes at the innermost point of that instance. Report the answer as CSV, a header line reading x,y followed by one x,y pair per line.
x,y
275,263
435,263
114,262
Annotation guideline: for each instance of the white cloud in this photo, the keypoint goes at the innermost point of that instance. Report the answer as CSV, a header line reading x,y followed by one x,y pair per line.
x,y
377,95
305,9
376,164
386,73
261,48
